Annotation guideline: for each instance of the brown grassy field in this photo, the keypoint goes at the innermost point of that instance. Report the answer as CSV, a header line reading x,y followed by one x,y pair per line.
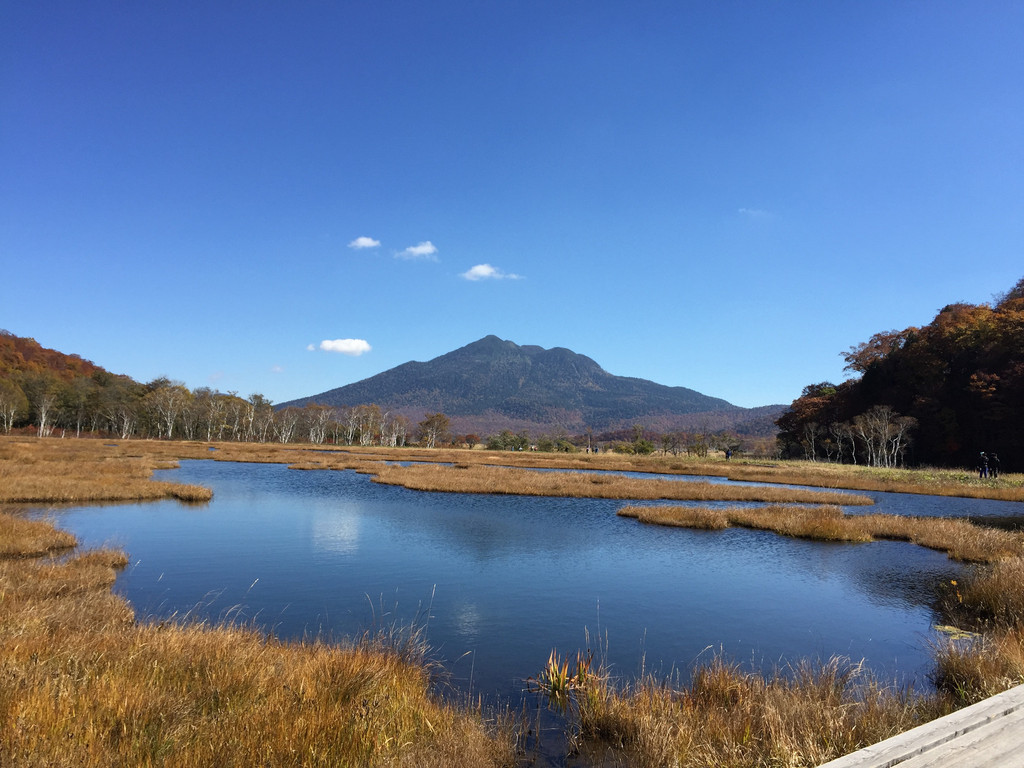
x,y
960,539
82,471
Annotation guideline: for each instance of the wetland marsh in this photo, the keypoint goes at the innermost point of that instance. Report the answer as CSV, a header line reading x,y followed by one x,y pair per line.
x,y
495,581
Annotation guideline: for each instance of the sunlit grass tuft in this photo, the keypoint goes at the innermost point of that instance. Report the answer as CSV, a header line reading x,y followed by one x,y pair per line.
x,y
806,714
960,539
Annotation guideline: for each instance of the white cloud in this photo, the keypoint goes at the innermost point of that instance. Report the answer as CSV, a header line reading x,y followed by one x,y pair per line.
x,y
425,250
364,242
276,369
351,347
487,272
756,213
310,347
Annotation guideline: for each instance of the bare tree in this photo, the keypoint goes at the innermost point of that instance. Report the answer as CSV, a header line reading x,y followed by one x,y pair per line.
x,y
285,423
844,437
317,419
395,431
884,435
434,430
12,403
369,418
166,402
811,431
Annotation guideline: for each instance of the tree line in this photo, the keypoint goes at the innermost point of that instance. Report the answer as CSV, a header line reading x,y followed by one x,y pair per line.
x,y
47,393
168,410
935,395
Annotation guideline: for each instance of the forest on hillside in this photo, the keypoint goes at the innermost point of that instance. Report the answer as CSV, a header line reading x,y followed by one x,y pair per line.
x,y
938,395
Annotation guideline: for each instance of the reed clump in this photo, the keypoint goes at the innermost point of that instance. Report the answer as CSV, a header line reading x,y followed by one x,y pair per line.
x,y
990,659
505,480
86,685
805,715
24,537
976,666
960,539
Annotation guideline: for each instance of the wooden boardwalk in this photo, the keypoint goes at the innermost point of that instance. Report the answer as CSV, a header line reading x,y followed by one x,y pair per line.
x,y
989,734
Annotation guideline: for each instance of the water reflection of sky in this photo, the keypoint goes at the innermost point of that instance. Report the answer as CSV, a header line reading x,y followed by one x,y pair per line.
x,y
501,580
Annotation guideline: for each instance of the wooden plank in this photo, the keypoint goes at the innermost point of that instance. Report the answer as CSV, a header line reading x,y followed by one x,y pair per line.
x,y
932,735
994,745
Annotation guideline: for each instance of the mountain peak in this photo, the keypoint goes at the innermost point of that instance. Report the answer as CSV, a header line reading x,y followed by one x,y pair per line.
x,y
494,381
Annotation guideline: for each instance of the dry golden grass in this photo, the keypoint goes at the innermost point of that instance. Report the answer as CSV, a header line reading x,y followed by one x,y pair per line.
x,y
83,471
22,537
960,539
970,669
991,601
84,685
504,480
929,481
801,716
989,598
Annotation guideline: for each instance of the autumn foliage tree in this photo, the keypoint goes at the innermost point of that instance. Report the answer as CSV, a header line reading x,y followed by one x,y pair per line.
x,y
952,388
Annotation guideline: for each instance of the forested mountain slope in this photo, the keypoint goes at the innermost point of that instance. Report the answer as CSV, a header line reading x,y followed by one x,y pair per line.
x,y
955,387
493,383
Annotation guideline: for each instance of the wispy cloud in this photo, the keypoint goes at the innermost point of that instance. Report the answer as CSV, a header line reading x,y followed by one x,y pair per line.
x,y
758,214
425,250
361,243
276,369
350,347
487,272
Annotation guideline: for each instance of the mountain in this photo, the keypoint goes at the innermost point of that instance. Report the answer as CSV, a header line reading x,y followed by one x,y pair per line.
x,y
494,384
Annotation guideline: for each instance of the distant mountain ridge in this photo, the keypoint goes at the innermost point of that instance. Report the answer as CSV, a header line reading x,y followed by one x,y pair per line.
x,y
494,384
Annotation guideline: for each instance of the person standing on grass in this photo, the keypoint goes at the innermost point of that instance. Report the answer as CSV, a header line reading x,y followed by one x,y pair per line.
x,y
993,465
982,465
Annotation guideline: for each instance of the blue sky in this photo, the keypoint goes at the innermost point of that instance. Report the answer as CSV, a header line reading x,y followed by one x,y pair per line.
x,y
718,195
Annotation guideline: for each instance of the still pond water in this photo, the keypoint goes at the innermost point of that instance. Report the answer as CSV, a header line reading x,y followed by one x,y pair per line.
x,y
501,580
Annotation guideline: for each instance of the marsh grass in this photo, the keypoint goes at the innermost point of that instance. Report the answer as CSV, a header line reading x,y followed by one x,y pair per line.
x,y
83,471
505,480
802,715
133,459
975,667
24,537
818,714
978,664
85,685
960,539
928,480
